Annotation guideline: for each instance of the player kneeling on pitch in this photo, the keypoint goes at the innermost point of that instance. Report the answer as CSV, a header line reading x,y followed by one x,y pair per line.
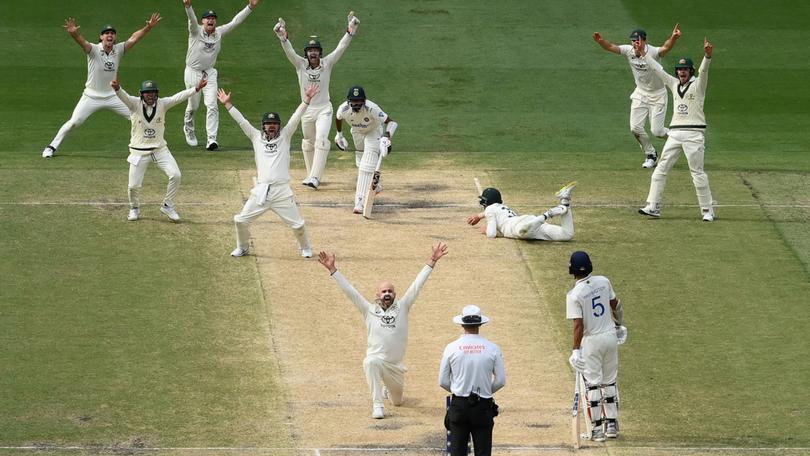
x,y
598,332
387,326
503,221
371,143
271,151
148,115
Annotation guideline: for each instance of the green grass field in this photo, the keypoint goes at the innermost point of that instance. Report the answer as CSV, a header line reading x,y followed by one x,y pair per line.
x,y
116,334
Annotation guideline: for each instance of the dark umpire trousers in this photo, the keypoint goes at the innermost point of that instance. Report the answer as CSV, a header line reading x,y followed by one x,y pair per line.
x,y
470,415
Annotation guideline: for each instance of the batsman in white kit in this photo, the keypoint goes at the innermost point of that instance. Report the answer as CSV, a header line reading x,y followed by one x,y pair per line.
x,y
204,44
372,130
314,68
147,143
649,99
687,132
503,221
597,315
387,327
103,61
272,192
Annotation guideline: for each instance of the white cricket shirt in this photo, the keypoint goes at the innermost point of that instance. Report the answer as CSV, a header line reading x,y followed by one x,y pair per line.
x,y
648,86
472,364
687,99
387,329
102,69
149,122
203,48
272,156
369,119
502,221
321,75
590,300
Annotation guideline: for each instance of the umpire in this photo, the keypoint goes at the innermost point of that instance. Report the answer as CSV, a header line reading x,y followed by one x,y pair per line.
x,y
472,370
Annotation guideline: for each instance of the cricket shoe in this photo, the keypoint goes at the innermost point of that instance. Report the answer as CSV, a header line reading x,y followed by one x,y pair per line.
x,y
306,253
598,434
191,138
612,430
378,412
648,210
237,252
170,212
134,214
385,392
564,194
357,210
313,182
378,188
212,146
48,152
650,161
708,215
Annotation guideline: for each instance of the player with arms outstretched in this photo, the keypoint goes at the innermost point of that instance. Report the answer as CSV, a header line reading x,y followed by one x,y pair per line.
x,y
314,68
103,61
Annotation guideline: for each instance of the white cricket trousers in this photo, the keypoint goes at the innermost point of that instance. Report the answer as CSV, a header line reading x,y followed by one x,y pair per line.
x,y
692,144
315,125
84,108
137,169
601,354
380,372
640,111
279,199
366,155
538,228
209,94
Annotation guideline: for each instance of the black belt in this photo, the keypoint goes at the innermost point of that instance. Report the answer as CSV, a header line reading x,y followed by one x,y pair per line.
x,y
474,397
675,127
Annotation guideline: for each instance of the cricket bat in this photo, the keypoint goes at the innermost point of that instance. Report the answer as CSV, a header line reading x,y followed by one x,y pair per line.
x,y
368,201
478,186
575,412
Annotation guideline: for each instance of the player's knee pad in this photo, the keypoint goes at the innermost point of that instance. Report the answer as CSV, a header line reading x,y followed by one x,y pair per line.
x,y
175,176
611,399
307,145
593,394
239,219
299,227
322,144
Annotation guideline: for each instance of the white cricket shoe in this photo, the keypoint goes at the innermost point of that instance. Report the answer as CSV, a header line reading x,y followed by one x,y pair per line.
x,y
48,152
648,210
305,181
313,182
612,431
564,194
237,252
170,212
357,210
378,412
134,214
191,138
650,161
212,145
306,253
708,215
598,434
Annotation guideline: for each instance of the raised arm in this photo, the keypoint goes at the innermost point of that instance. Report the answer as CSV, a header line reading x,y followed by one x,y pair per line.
x,y
670,42
193,25
180,97
656,67
606,45
151,23
247,128
703,71
328,261
73,30
129,101
437,252
239,18
292,124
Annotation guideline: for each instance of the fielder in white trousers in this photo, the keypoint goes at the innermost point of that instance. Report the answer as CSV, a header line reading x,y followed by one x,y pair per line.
x,y
138,164
278,198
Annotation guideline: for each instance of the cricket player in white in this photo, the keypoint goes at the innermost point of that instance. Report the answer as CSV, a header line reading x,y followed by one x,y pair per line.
x,y
503,221
649,99
204,44
687,132
597,315
147,143
271,151
387,325
367,121
315,69
103,61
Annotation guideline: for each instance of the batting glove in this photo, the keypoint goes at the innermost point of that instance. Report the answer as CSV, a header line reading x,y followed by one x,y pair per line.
x,y
280,29
385,146
576,361
353,23
341,142
621,334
